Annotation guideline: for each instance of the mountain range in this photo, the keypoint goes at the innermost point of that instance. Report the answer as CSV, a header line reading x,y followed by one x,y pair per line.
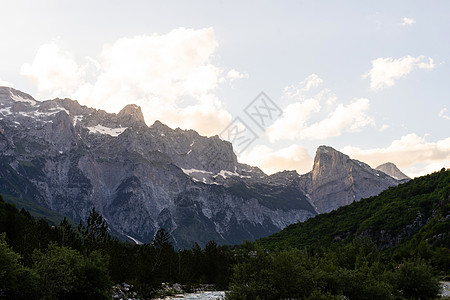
x,y
68,158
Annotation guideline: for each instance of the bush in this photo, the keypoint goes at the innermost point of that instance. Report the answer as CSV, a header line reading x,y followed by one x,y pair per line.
x,y
16,281
415,280
66,274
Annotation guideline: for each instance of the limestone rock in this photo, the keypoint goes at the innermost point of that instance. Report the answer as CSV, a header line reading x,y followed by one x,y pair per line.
x,y
392,170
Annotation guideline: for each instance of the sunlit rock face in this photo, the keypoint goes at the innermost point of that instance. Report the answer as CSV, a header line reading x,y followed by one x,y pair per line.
x,y
392,170
337,180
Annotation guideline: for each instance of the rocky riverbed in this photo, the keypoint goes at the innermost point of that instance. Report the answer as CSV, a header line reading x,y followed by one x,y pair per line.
x,y
216,295
445,288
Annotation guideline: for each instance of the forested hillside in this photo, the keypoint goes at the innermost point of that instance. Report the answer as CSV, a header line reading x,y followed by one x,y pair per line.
x,y
412,218
392,246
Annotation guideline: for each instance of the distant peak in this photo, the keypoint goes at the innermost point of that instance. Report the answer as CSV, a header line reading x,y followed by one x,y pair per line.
x,y
325,149
132,111
392,170
328,160
159,125
19,96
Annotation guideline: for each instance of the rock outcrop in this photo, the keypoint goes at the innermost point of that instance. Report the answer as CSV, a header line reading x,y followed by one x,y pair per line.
x,y
337,180
392,170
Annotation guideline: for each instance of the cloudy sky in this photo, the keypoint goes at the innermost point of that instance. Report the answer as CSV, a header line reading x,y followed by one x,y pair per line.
x,y
369,78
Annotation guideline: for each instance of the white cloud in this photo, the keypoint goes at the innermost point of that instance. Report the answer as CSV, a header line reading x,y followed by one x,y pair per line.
x,y
170,76
53,70
271,161
327,96
411,153
384,127
351,117
443,113
293,121
6,83
385,71
233,75
408,21
293,124
310,82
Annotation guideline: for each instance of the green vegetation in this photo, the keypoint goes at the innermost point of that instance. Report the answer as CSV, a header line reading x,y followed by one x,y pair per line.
x,y
354,271
36,210
39,261
410,220
392,246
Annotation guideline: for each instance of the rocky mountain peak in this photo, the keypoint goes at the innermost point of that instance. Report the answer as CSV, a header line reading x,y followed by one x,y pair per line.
x,y
338,180
69,158
392,170
131,113
160,126
71,105
327,162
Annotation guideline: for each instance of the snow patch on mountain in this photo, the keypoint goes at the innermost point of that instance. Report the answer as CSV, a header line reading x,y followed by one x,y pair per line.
x,y
6,111
225,174
106,130
191,171
18,98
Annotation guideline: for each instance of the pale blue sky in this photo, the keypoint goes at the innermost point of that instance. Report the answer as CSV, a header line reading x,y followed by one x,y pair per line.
x,y
271,45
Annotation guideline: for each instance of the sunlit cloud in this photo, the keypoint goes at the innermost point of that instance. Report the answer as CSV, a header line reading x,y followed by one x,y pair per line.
x,y
443,113
6,83
233,75
413,154
350,118
310,82
171,76
385,71
295,123
53,70
271,161
384,127
408,21
304,119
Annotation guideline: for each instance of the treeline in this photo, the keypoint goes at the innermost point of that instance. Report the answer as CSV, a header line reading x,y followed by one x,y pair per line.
x,y
392,246
39,261
354,271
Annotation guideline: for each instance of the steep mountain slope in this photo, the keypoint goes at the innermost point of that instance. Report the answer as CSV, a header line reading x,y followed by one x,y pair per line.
x,y
337,180
410,214
392,170
69,158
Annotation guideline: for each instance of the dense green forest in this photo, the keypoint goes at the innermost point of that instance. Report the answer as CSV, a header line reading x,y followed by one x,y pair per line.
x,y
40,261
410,220
393,246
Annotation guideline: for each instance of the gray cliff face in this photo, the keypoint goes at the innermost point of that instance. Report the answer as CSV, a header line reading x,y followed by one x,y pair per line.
x,y
337,180
392,170
70,158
